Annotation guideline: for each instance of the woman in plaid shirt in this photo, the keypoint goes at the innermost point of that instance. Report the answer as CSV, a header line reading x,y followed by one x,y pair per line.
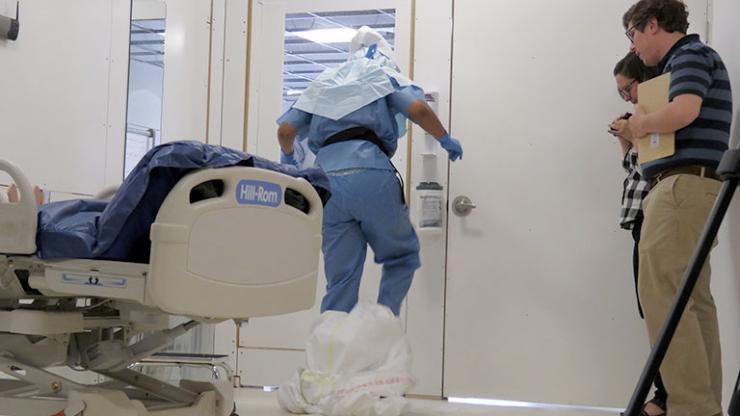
x,y
629,72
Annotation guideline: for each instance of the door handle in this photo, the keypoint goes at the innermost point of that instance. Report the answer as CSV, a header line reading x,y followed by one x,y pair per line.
x,y
462,206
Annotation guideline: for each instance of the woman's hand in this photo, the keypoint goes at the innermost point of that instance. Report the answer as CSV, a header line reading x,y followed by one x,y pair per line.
x,y
621,128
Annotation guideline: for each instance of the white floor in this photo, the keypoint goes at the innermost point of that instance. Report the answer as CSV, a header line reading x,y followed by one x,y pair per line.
x,y
254,402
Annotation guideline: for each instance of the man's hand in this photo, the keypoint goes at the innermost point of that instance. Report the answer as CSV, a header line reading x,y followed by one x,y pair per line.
x,y
637,122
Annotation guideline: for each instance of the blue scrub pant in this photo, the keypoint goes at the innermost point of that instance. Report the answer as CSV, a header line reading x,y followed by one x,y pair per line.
x,y
366,207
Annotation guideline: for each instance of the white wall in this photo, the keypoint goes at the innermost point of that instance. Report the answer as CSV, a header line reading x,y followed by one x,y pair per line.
x,y
265,76
63,86
148,9
725,38
205,75
186,78
232,94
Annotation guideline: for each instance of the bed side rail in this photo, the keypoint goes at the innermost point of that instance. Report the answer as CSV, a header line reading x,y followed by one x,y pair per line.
x,y
18,221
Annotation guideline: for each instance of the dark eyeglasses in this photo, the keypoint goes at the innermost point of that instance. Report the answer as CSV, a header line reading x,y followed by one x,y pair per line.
x,y
624,92
630,32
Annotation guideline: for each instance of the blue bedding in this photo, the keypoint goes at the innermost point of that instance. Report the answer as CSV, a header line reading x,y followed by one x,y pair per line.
x,y
119,229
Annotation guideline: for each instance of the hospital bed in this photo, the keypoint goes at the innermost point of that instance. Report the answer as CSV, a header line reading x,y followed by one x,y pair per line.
x,y
243,253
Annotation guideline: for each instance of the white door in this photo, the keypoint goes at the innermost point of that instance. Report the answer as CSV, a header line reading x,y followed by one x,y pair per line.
x,y
270,349
540,298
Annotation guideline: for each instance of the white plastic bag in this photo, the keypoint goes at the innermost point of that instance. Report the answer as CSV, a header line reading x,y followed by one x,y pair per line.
x,y
358,365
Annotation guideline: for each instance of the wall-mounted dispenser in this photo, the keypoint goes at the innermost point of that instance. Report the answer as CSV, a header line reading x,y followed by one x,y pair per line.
x,y
430,193
10,27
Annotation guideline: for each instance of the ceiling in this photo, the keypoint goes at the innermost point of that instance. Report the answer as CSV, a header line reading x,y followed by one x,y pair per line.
x,y
313,42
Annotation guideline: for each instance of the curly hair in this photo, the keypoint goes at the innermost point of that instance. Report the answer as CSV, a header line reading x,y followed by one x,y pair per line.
x,y
631,66
672,15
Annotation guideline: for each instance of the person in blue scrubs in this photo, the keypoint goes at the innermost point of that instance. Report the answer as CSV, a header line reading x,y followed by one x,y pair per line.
x,y
352,117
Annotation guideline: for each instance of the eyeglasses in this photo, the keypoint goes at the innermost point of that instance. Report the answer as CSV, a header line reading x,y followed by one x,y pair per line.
x,y
630,32
625,92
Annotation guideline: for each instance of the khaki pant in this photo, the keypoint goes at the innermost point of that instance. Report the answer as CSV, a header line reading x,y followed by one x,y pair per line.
x,y
676,210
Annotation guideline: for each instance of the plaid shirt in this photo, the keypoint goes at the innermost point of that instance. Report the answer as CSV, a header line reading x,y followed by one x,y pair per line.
x,y
635,190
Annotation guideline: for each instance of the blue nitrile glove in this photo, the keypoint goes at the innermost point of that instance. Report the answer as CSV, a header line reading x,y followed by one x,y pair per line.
x,y
289,159
452,146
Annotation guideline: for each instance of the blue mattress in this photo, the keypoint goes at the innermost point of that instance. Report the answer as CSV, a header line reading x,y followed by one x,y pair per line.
x,y
119,229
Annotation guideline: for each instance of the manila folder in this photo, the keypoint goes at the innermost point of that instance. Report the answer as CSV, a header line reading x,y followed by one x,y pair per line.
x,y
652,96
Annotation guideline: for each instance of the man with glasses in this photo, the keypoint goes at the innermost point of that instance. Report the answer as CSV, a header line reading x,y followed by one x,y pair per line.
x,y
683,189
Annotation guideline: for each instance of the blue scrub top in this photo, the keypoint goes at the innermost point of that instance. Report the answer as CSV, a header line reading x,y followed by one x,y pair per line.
x,y
378,116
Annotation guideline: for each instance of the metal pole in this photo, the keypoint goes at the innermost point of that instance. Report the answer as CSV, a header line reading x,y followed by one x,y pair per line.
x,y
734,409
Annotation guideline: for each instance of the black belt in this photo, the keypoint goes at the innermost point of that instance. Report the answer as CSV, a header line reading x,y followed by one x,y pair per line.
x,y
357,133
363,133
